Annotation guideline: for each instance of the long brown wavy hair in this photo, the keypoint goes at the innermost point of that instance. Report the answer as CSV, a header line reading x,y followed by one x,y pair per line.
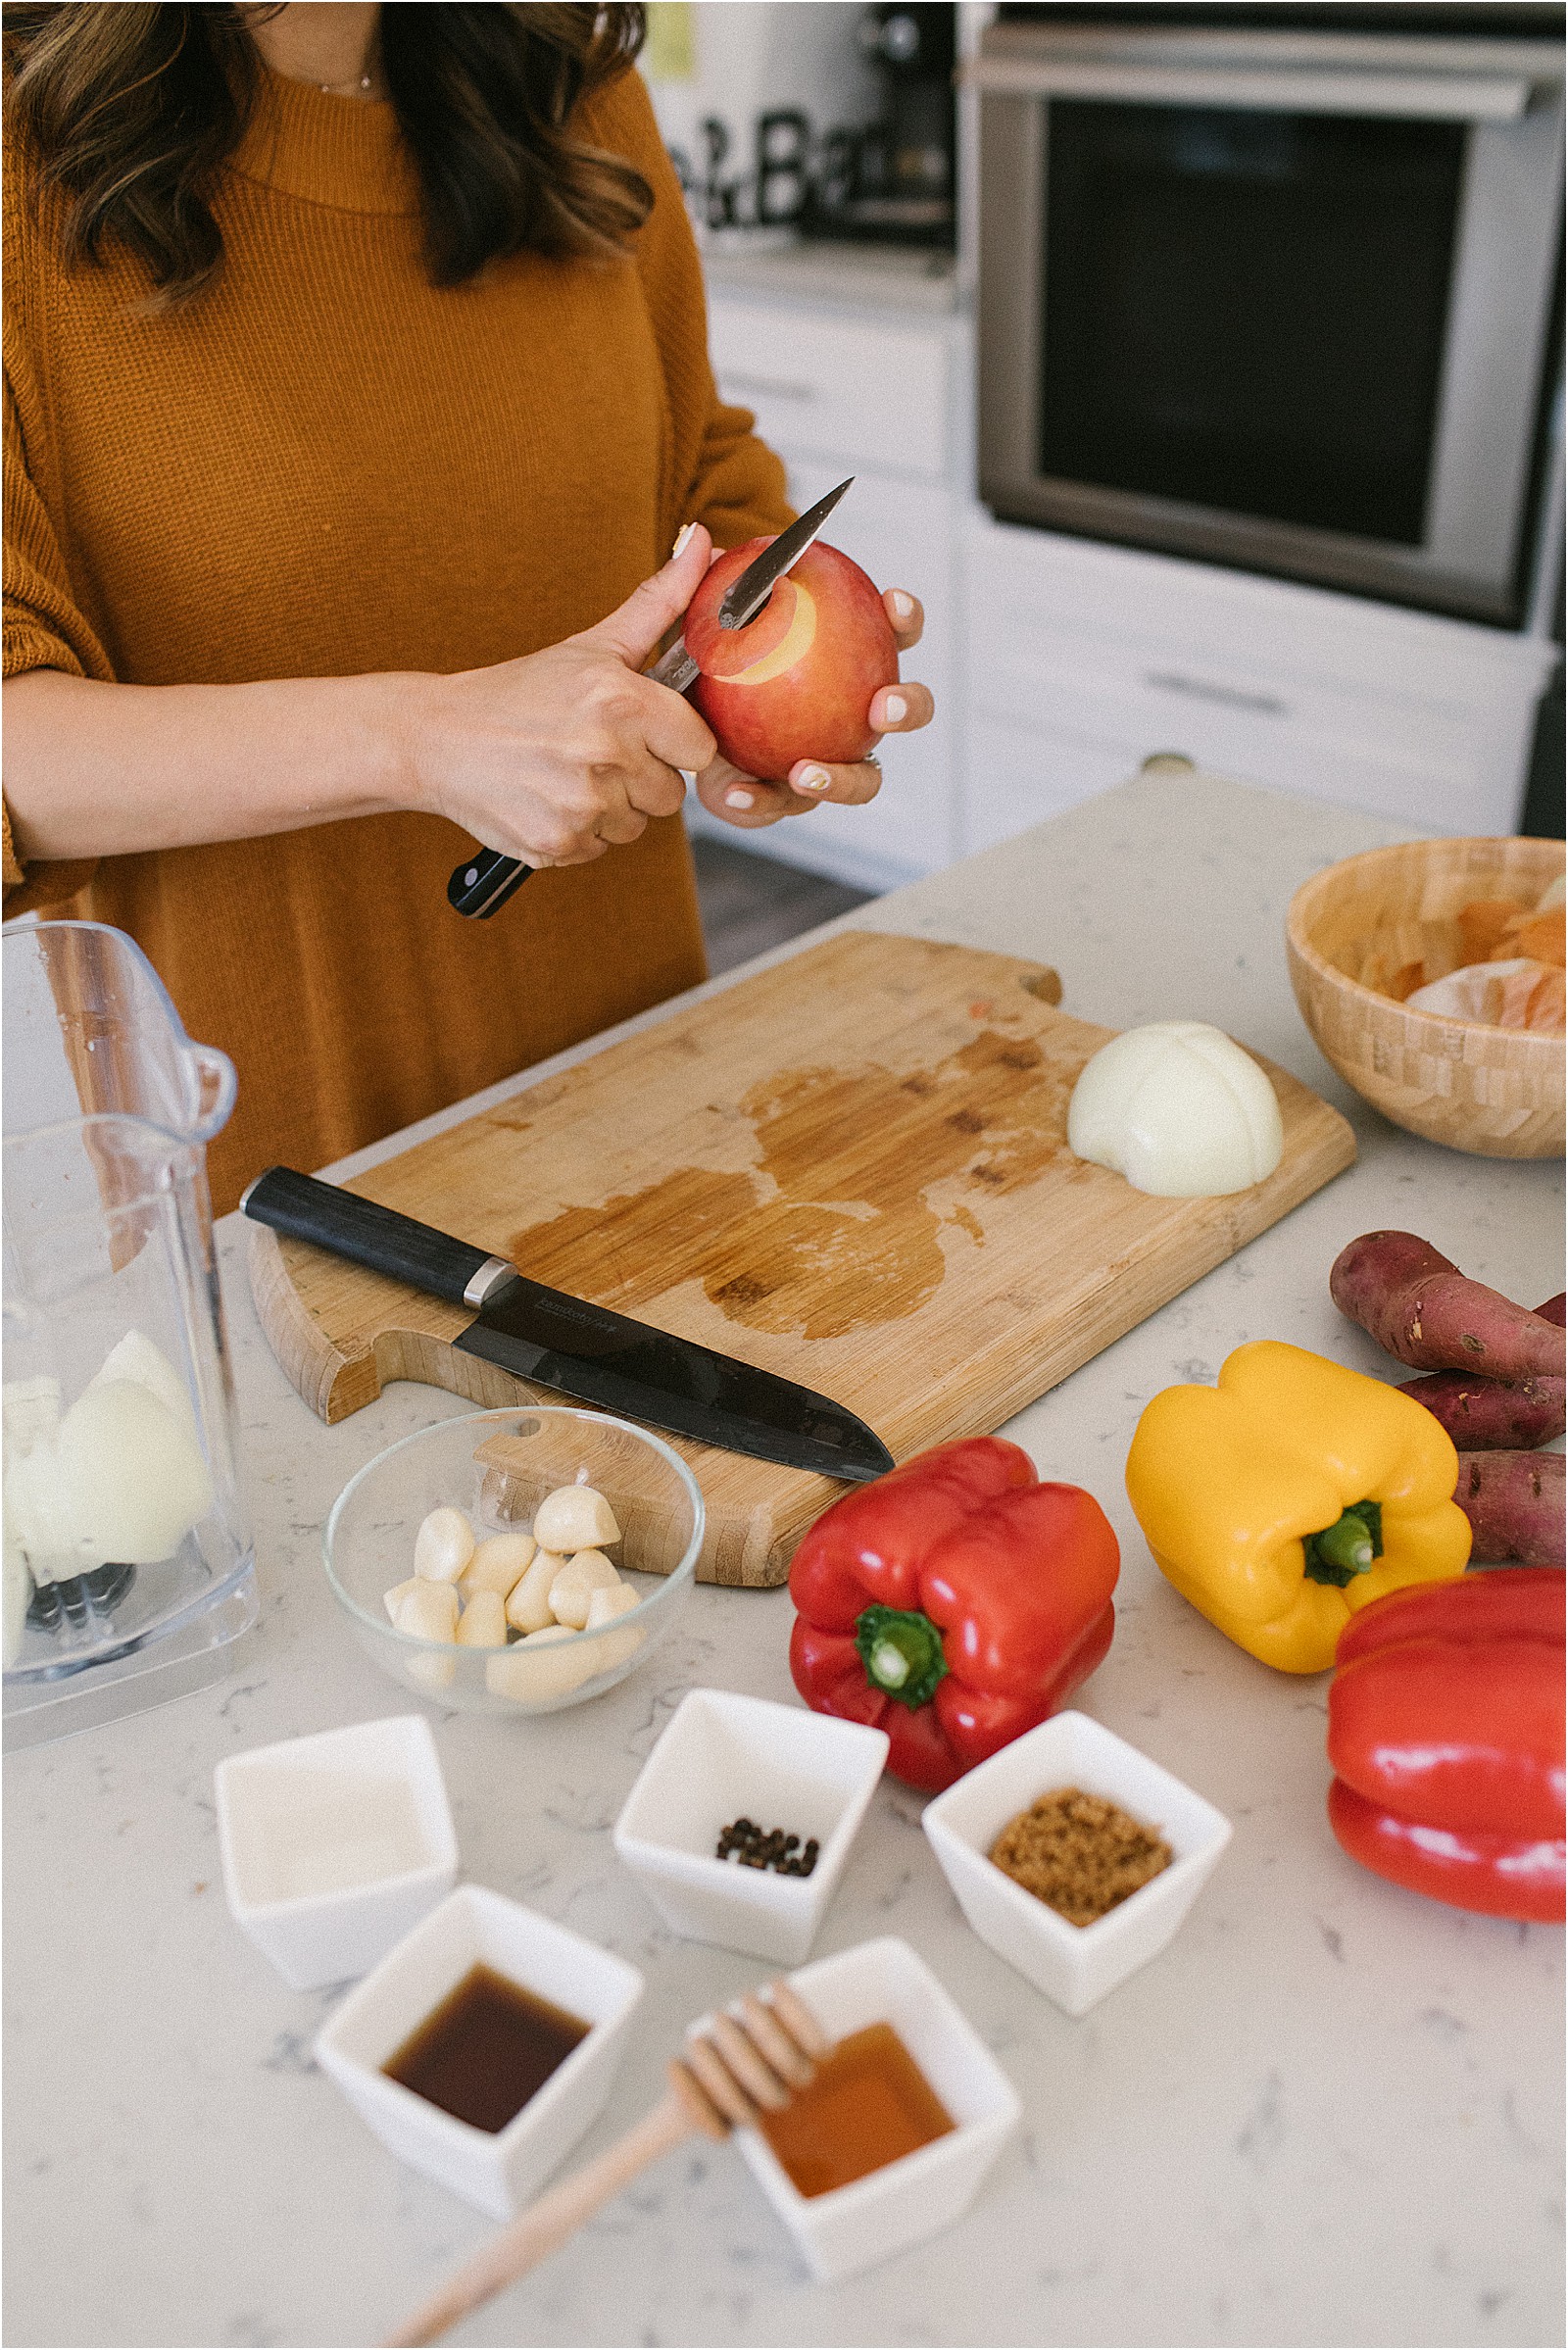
x,y
130,111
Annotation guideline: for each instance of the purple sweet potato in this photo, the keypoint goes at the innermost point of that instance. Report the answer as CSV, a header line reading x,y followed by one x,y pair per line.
x,y
1423,1309
1554,1308
1492,1415
1514,1502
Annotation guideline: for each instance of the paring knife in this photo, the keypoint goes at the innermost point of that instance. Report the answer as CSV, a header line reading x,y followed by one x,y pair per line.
x,y
602,1358
481,885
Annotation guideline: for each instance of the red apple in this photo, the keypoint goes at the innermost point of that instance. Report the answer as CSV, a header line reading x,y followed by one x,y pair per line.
x,y
797,681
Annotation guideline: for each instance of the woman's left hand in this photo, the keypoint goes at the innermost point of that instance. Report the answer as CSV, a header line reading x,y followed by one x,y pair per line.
x,y
750,802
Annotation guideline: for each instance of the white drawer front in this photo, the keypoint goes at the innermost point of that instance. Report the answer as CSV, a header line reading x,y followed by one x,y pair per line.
x,y
1423,771
1146,681
863,391
1271,636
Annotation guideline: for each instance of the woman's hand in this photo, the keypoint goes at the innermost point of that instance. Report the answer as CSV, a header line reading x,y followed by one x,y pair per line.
x,y
555,757
549,758
745,801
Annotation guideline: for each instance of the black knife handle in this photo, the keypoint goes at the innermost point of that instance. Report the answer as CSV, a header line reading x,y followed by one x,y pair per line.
x,y
367,1234
481,885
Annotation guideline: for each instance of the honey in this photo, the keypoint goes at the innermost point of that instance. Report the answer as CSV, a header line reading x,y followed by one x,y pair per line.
x,y
869,2104
486,2050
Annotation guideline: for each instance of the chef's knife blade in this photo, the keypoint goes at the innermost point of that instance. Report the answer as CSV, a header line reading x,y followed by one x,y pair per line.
x,y
602,1358
481,885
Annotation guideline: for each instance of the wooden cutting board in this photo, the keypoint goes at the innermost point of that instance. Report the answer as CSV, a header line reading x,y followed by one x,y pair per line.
x,y
850,1169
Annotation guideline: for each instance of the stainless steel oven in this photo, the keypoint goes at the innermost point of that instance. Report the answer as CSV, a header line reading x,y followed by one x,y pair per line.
x,y
1274,293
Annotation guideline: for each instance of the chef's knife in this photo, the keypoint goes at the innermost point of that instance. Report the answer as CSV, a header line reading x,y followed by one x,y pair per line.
x,y
585,1351
481,885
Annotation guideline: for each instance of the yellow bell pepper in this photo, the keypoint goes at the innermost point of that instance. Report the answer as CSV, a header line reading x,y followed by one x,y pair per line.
x,y
1286,1499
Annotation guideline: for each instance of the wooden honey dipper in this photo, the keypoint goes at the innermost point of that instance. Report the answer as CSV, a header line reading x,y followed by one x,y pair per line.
x,y
726,2079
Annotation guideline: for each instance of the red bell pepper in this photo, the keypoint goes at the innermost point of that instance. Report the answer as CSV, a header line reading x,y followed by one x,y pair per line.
x,y
1446,1729
953,1603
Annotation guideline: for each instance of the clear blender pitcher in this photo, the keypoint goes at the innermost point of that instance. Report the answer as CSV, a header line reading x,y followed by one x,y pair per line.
x,y
128,1569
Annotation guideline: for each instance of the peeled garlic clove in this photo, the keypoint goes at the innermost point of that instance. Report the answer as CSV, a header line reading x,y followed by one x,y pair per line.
x,y
613,1649
576,1517
1179,1109
393,1599
604,1607
585,1573
530,1674
443,1545
430,1613
499,1562
483,1622
607,1602
428,1610
528,1601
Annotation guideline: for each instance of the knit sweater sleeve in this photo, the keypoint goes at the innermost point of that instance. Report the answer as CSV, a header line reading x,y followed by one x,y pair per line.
x,y
43,628
720,473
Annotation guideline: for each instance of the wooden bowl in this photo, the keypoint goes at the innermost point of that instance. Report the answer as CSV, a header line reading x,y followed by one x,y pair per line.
x,y
1497,1092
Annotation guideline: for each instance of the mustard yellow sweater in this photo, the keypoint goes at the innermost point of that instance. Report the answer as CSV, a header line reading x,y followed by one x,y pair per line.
x,y
325,467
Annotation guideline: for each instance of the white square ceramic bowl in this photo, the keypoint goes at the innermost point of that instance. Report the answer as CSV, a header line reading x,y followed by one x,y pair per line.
x,y
334,1845
1074,1965
499,2171
724,1757
858,2226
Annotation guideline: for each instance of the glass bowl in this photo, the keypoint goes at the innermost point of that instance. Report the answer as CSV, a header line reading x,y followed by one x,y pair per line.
x,y
368,1546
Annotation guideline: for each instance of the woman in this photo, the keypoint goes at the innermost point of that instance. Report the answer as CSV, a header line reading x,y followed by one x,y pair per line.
x,y
356,370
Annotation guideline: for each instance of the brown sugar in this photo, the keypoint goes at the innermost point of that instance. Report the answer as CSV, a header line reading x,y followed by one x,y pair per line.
x,y
1079,1853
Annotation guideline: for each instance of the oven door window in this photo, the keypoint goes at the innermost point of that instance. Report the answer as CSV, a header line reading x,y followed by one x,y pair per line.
x,y
1248,310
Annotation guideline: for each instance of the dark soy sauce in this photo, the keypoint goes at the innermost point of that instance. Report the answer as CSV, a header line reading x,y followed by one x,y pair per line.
x,y
486,2050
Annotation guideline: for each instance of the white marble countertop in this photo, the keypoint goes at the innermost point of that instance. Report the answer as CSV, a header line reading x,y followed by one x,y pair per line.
x,y
1329,2113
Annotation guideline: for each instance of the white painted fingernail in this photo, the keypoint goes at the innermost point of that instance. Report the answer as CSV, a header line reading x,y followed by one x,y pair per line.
x,y
896,707
813,779
902,605
739,798
682,539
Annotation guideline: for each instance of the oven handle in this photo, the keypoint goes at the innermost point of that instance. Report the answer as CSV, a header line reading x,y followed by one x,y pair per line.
x,y
1430,97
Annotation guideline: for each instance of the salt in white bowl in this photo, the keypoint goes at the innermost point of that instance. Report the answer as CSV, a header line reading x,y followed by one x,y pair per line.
x,y
333,1845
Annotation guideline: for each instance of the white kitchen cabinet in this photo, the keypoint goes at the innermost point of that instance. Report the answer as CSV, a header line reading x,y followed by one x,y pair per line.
x,y
902,534
1126,654
871,391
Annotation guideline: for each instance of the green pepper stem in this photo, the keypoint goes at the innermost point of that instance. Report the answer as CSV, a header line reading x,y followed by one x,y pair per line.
x,y
1348,1547
1347,1544
901,1649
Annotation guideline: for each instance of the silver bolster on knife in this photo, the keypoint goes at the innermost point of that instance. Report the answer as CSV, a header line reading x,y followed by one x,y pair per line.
x,y
492,1275
674,668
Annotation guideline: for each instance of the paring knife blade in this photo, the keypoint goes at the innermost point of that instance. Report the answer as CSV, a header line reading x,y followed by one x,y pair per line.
x,y
602,1358
481,885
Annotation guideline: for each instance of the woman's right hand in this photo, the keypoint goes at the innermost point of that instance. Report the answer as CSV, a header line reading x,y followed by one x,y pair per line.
x,y
555,757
